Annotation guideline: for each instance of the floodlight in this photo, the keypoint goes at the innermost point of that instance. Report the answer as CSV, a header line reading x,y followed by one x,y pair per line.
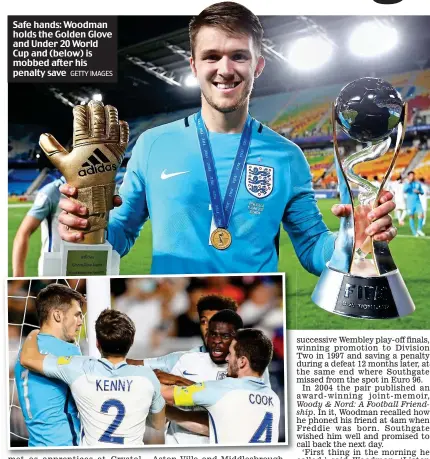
x,y
372,39
310,53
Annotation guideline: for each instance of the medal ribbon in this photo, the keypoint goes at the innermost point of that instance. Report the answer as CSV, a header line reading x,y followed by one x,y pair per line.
x,y
222,210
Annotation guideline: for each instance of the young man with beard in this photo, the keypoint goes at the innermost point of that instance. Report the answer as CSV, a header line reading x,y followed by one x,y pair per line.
x,y
218,184
115,400
242,409
49,410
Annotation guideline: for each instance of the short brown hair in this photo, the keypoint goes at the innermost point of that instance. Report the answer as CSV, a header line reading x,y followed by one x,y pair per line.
x,y
229,17
256,347
56,296
114,332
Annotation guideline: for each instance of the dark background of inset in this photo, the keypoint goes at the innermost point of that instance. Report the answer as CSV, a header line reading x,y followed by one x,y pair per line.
x,y
138,93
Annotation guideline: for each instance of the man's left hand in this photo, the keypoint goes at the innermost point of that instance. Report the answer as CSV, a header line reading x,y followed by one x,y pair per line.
x,y
381,226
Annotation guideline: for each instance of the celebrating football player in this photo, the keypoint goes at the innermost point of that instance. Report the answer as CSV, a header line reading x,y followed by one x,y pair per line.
x,y
242,408
49,412
218,184
114,399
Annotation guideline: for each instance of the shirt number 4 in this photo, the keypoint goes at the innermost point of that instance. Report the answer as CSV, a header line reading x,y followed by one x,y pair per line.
x,y
264,430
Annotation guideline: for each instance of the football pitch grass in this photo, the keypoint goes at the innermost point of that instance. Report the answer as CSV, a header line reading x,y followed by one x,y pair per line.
x,y
412,256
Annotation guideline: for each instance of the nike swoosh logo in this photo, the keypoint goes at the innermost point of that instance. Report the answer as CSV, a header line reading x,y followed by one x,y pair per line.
x,y
165,176
189,374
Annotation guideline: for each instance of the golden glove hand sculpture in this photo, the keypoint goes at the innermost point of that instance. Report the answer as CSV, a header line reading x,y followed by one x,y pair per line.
x,y
99,144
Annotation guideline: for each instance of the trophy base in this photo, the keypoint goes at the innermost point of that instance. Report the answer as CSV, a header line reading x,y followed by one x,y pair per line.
x,y
80,260
380,297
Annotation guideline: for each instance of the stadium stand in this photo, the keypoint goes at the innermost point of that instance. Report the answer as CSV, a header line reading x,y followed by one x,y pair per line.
x,y
302,116
423,168
329,180
268,108
307,113
319,161
21,179
378,167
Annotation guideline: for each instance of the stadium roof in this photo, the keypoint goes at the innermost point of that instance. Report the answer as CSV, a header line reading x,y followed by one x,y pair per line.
x,y
161,43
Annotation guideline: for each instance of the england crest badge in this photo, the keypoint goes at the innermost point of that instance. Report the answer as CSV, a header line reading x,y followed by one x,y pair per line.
x,y
221,375
259,180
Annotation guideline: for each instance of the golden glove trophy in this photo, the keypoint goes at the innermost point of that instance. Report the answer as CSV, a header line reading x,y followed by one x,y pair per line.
x,y
361,279
99,144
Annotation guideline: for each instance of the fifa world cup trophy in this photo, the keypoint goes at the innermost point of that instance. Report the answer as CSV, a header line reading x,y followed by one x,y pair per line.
x,y
99,144
361,279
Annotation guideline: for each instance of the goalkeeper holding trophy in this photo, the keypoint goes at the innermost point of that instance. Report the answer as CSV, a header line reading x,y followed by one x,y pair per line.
x,y
99,144
216,204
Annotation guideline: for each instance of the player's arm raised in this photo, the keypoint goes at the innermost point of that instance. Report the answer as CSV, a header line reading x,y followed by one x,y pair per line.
x,y
30,357
163,377
48,365
172,380
163,363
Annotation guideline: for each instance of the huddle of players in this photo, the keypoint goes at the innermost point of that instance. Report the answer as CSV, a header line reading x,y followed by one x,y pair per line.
x,y
222,386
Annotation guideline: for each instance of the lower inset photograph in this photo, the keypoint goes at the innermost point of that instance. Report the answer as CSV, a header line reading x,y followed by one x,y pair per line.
x,y
147,361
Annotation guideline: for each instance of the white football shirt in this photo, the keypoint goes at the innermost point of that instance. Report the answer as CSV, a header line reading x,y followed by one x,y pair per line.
x,y
198,367
396,188
45,208
241,410
113,400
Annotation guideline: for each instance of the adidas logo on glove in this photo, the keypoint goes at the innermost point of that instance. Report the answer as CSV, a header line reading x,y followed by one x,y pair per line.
x,y
96,164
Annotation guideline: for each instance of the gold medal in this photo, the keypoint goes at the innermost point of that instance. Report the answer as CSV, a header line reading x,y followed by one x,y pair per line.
x,y
221,239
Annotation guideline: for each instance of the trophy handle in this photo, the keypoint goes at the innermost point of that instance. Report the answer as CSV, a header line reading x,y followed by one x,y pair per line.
x,y
381,253
342,257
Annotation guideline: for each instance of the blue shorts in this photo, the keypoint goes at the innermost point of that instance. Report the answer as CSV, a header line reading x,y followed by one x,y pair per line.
x,y
417,208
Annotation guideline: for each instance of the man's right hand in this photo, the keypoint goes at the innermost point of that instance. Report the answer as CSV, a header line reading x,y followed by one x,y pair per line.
x,y
74,217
